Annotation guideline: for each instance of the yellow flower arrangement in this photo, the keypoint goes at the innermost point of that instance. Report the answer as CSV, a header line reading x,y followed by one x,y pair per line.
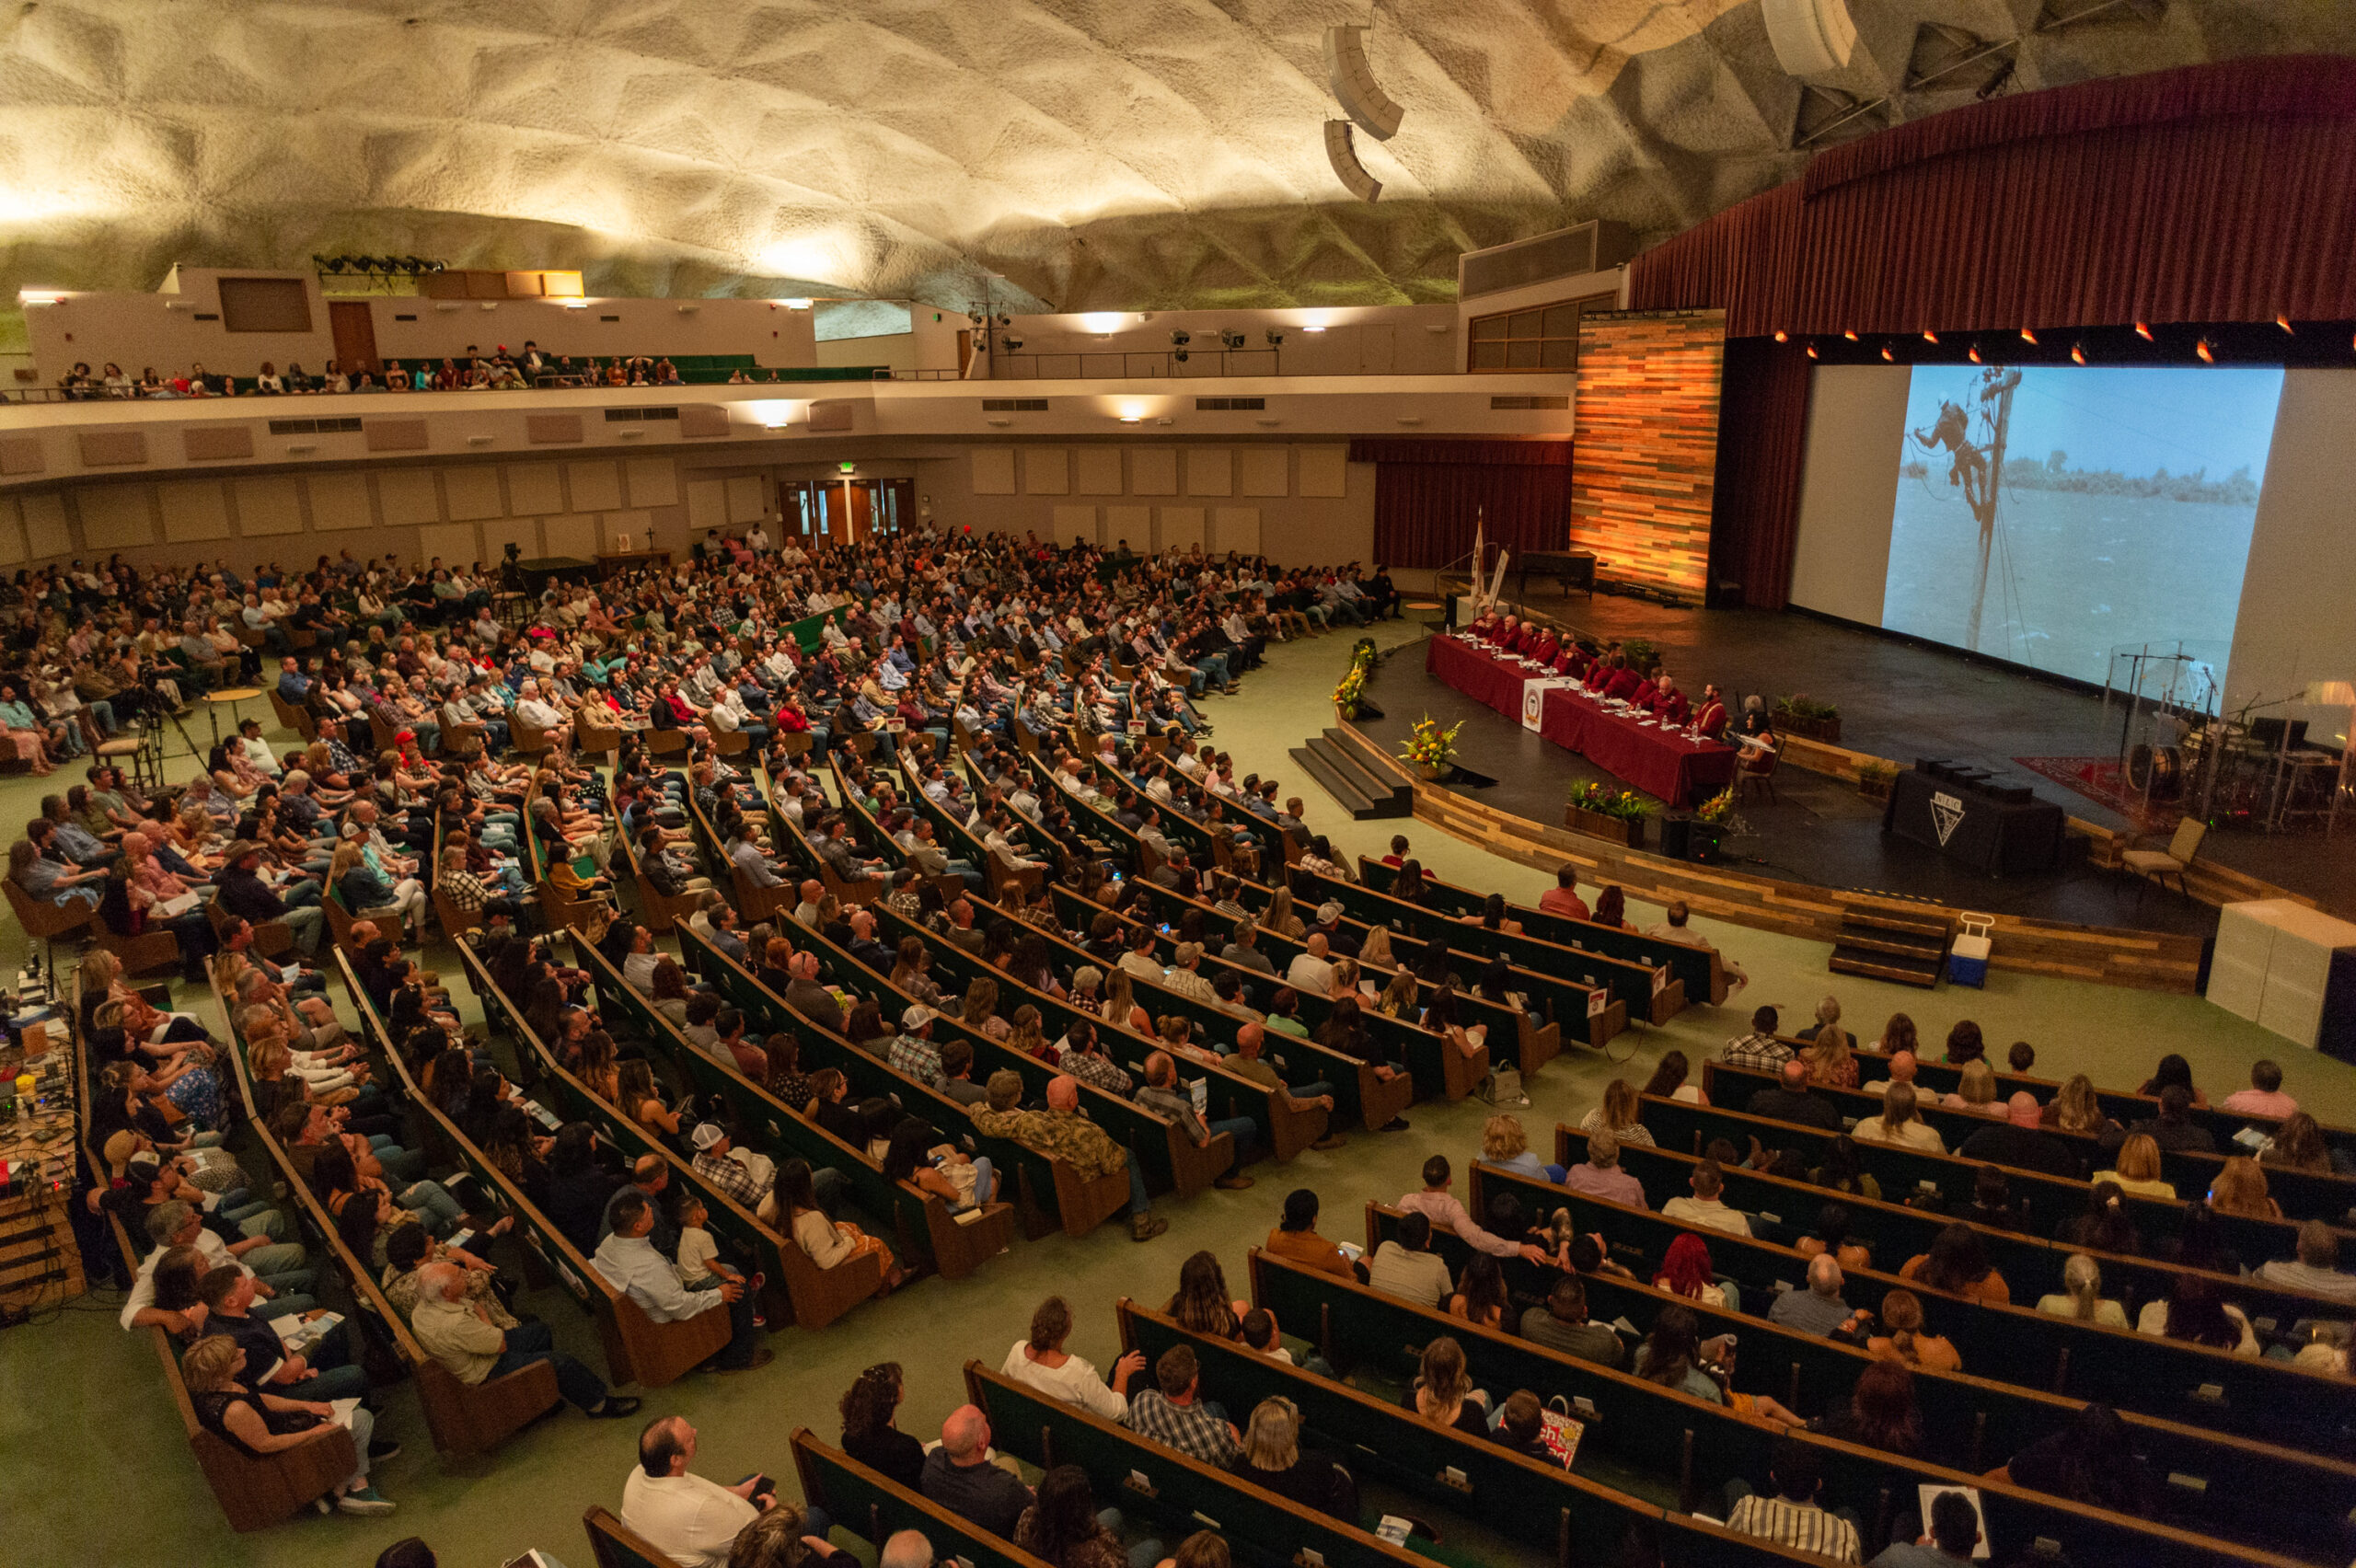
x,y
1431,746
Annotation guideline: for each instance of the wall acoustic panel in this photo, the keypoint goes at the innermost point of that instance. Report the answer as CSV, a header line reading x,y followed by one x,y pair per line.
x,y
394,436
706,504
215,442
1153,470
1642,469
748,497
116,516
832,414
524,533
1181,526
1047,470
1075,523
12,534
269,506
637,527
1099,471
702,419
550,429
1235,528
595,487
193,509
654,481
1210,470
46,534
339,500
1264,471
993,470
112,448
406,497
1134,524
471,492
535,489
1324,471
22,454
572,533
454,542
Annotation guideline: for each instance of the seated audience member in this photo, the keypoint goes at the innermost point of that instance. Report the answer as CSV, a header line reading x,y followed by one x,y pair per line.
x,y
1791,1100
1296,1237
2137,1169
2092,1459
1405,1266
1900,1123
1439,1205
1563,898
460,1335
1443,1394
1903,1064
1759,1050
2016,1141
782,1538
1670,1080
1600,1175
960,1477
1040,1361
629,1262
1706,1207
2081,1296
2194,1313
1064,1528
1953,1533
2299,1146
1819,1310
1791,1517
1273,1458
1172,1413
1958,1264
2315,1268
1504,1143
1562,1324
1671,1355
1902,1338
2173,1069
869,1435
2173,1129
1831,1237
2240,1189
1675,930
1618,1116
2264,1097
1686,1269
693,1521
260,1423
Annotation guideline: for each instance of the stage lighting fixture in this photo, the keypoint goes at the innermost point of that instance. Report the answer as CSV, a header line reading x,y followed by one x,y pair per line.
x,y
1974,355
1012,344
1811,351
1353,83
1782,336
2028,337
2143,330
1180,337
2201,347
1231,338
1179,355
2283,322
1809,37
1006,320
334,265
1276,339
1342,153
1929,336
1886,355
2077,354
1850,334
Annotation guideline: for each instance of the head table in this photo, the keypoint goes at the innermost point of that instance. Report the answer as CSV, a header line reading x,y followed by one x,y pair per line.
x,y
1623,742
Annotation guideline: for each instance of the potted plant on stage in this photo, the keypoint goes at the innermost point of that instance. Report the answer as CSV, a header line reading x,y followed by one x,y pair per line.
x,y
1800,714
1431,750
1602,811
1349,698
1875,778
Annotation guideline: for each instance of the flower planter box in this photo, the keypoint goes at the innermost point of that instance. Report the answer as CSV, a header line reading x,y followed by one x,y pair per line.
x,y
1825,730
1875,789
1627,831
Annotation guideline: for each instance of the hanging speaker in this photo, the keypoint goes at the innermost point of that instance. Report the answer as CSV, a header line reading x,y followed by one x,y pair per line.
x,y
1343,154
1354,88
1810,36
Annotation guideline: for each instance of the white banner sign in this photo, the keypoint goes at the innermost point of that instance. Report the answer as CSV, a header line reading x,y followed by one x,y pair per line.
x,y
1533,698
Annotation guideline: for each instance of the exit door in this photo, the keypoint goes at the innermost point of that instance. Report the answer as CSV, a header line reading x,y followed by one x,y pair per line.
x,y
356,336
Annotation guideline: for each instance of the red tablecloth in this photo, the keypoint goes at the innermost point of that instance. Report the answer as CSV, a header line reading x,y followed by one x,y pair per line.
x,y
1472,670
1659,762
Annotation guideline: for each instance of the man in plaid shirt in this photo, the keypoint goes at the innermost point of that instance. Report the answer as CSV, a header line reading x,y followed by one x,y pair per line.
x,y
1759,1049
913,1054
713,1164
1174,1415
1084,1059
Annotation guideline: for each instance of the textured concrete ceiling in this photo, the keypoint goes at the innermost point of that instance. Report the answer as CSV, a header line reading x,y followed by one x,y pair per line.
x,y
1095,154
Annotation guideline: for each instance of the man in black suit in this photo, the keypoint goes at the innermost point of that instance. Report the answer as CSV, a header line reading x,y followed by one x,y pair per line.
x,y
1791,1101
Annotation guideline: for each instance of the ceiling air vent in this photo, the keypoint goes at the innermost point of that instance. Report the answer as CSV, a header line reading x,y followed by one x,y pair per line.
x,y
1591,247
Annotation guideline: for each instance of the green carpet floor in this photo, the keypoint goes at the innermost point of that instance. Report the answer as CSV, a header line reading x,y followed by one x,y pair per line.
x,y
96,1469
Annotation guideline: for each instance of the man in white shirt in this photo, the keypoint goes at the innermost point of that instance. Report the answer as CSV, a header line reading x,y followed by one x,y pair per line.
x,y
1311,971
629,1262
1706,1207
692,1521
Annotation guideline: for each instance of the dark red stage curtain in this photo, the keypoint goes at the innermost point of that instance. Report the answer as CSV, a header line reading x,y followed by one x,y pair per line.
x,y
1762,438
2211,193
1428,494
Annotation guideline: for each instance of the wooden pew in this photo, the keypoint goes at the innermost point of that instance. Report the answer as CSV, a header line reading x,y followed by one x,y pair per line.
x,y
875,1508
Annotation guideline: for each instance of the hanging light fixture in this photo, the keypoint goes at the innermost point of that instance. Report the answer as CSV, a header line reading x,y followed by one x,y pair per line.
x,y
2143,330
2077,354
2027,336
1886,355
1974,355
2283,322
1929,336
2201,347
1811,351
1782,336
1850,334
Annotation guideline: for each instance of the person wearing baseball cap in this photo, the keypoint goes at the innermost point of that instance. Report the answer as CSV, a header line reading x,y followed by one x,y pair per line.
x,y
245,894
912,1053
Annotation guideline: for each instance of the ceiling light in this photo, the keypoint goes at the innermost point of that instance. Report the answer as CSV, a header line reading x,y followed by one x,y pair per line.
x,y
2283,322
1103,323
1811,351
2201,347
1974,355
1312,328
1886,354
576,304
1130,419
41,296
2077,354
2143,330
795,304
1929,336
1782,336
2027,336
1850,334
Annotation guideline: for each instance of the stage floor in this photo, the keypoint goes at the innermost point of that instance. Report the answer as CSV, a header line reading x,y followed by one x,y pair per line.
x,y
1897,701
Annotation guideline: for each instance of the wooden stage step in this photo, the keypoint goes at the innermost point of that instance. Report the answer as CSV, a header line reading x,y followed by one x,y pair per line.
x,y
1909,948
1341,767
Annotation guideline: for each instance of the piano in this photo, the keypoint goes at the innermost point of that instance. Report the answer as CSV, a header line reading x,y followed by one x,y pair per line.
x,y
1571,569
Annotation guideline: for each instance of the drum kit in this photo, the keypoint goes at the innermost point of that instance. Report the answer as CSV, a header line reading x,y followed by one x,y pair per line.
x,y
2244,771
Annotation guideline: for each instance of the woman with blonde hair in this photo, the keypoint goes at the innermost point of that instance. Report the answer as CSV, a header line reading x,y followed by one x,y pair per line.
x,y
1976,1092
1398,998
261,1424
1617,1114
2081,1296
1504,1143
2240,1189
1027,1036
1120,1009
1902,1338
1274,1459
1375,951
2074,1108
1278,917
1830,1060
2137,1169
1346,977
1443,1394
1900,1122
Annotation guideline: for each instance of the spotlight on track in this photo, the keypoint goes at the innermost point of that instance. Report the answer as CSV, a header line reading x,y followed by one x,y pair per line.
x,y
1850,334
1782,336
2143,330
1888,356
2202,348
2283,322
1974,355
1811,350
2077,354
2028,337
1929,336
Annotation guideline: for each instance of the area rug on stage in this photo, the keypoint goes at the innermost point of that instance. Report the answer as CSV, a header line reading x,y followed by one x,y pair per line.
x,y
2098,778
